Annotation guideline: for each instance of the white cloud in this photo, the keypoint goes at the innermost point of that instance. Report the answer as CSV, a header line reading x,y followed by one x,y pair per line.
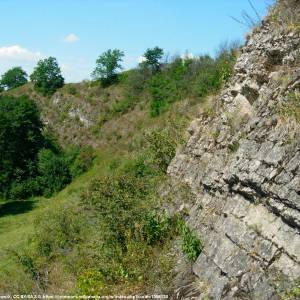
x,y
17,53
71,38
141,59
187,55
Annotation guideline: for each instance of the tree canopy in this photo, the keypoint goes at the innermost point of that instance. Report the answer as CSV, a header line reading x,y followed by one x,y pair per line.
x,y
47,77
107,65
153,58
20,139
13,78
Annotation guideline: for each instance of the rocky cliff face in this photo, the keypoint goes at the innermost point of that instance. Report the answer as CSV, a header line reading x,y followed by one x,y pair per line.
x,y
242,160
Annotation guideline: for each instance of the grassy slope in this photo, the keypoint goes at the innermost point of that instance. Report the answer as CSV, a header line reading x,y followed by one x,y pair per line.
x,y
17,223
16,228
119,136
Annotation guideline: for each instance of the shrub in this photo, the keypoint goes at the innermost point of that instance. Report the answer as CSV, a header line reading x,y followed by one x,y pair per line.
x,y
123,106
25,189
138,167
53,171
71,89
28,264
191,244
158,98
117,198
91,282
185,77
120,202
82,161
156,228
162,148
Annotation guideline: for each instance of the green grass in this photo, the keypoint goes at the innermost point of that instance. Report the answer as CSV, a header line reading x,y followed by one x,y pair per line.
x,y
62,243
17,218
16,226
21,229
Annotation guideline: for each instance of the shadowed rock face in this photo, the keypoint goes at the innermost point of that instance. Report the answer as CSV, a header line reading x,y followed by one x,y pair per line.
x,y
247,177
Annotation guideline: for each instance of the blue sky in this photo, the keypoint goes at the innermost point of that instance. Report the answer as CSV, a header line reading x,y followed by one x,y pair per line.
x,y
77,31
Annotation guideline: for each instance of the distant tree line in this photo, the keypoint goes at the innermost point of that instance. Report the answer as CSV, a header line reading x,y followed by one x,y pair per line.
x,y
47,76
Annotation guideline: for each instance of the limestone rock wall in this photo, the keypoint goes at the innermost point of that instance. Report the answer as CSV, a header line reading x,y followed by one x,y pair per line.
x,y
243,163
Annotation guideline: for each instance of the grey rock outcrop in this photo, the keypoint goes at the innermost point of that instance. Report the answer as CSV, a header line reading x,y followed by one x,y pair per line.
x,y
243,164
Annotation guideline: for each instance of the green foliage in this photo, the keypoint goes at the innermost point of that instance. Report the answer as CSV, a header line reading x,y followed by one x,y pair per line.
x,y
31,162
189,77
290,109
117,199
162,147
20,140
25,188
160,89
82,161
47,76
119,204
156,228
13,78
28,264
233,147
107,65
293,292
71,89
65,224
53,171
191,244
123,106
91,282
153,59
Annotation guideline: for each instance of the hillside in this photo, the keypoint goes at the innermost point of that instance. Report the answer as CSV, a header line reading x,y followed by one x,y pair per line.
x,y
194,191
242,163
134,126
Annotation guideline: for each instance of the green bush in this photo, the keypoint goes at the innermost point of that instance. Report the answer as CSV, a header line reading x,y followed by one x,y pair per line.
x,y
119,204
58,233
156,228
82,162
185,77
138,167
123,106
117,198
191,244
71,89
53,171
25,189
91,282
162,147
28,264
